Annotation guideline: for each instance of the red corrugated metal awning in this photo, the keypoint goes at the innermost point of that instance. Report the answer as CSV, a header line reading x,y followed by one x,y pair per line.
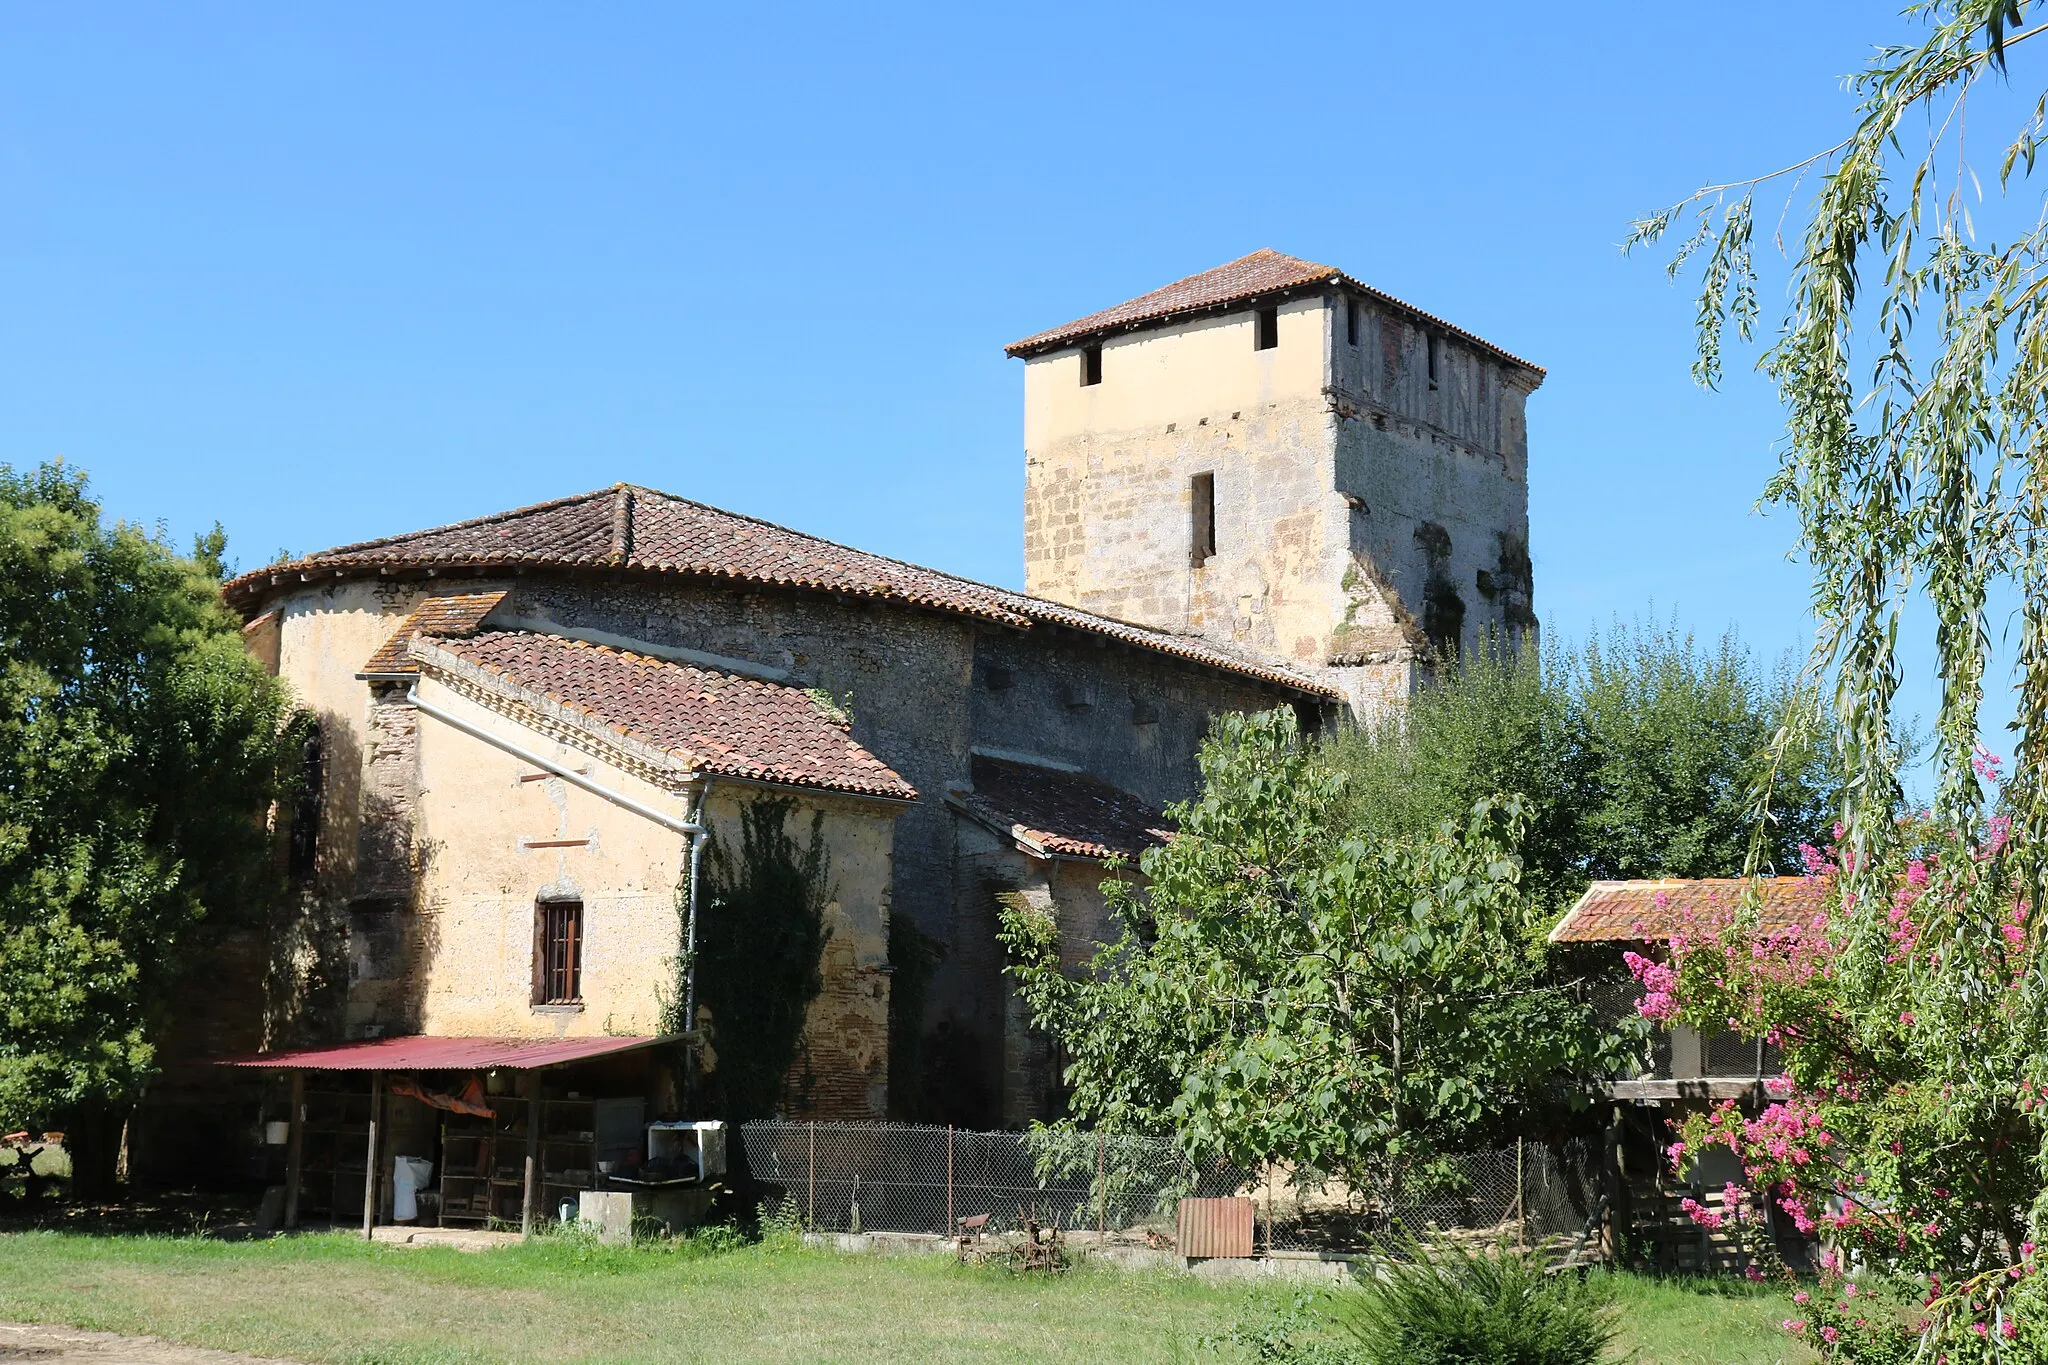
x,y
421,1053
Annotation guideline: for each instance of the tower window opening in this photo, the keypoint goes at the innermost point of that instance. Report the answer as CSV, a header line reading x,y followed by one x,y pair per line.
x,y
1435,348
1091,366
1351,322
1268,331
1203,507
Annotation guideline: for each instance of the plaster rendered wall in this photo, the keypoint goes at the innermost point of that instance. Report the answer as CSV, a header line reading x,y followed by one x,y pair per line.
x,y
1108,510
362,873
479,815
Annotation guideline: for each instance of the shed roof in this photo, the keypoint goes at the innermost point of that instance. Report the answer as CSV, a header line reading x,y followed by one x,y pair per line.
x,y
709,720
421,1052
1263,273
1064,814
456,614
630,529
1649,911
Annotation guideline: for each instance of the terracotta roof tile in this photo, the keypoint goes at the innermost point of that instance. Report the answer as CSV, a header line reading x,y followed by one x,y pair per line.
x,y
714,722
1062,813
455,614
642,530
1248,277
1650,911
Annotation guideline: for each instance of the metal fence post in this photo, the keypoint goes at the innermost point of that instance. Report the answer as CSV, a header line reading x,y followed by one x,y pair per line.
x,y
811,1217
1521,1199
1101,1186
1269,1206
951,1225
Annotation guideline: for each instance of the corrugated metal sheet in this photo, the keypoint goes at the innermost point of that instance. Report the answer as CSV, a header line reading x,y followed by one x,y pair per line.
x,y
443,1054
1215,1227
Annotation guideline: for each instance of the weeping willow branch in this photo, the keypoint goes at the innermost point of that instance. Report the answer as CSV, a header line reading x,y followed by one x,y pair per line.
x,y
1913,364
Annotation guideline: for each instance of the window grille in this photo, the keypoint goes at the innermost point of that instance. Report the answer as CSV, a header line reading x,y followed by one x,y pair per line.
x,y
561,952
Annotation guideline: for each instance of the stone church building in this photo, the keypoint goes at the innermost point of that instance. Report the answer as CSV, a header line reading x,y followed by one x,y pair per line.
x,y
1265,485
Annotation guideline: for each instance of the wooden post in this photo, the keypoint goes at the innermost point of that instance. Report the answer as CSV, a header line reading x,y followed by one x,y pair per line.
x,y
370,1158
530,1198
811,1218
952,1225
1101,1187
295,1150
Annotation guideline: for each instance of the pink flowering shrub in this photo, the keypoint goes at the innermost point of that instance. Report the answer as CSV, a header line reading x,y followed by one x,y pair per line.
x,y
1908,1129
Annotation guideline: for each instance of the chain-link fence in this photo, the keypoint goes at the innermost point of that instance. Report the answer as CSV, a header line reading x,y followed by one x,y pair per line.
x,y
843,1177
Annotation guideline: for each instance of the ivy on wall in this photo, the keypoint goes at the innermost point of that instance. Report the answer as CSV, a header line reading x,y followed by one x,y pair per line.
x,y
760,941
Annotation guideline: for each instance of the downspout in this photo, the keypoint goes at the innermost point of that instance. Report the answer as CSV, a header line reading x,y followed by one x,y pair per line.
x,y
690,920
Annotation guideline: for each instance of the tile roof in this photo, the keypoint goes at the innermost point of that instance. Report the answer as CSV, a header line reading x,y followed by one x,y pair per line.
x,y
642,530
1061,813
1649,911
1264,272
418,1052
711,721
454,615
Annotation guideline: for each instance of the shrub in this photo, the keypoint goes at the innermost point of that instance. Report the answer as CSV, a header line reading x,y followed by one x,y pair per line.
x,y
1448,1305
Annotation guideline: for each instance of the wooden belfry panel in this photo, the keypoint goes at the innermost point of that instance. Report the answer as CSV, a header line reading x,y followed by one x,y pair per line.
x,y
1215,1227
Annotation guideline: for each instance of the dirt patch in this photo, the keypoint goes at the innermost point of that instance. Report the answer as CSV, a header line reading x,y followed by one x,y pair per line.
x,y
34,1342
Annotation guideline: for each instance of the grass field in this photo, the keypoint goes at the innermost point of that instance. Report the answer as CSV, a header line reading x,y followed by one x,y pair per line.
x,y
331,1298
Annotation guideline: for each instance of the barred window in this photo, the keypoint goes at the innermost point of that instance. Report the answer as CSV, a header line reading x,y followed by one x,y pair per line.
x,y
561,953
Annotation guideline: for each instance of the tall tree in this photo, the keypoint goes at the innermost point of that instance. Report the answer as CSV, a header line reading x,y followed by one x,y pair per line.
x,y
1281,990
139,750
1636,754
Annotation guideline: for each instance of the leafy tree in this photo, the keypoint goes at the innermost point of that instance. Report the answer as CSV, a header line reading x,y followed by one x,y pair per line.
x,y
1278,989
1637,755
139,749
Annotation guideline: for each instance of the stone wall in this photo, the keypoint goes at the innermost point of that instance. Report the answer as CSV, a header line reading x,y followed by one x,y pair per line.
x,y
1370,495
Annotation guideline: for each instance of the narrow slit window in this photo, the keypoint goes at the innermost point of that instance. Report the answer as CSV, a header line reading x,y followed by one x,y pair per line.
x,y
561,974
1203,507
1268,330
1091,366
1351,322
1434,349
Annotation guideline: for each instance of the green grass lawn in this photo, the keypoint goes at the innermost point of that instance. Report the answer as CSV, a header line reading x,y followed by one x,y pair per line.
x,y
331,1298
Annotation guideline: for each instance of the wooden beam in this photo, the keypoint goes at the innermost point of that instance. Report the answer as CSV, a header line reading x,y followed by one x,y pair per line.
x,y
370,1159
530,1196
295,1150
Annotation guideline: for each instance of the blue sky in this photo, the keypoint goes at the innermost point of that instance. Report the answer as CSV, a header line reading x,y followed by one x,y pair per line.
x,y
326,272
